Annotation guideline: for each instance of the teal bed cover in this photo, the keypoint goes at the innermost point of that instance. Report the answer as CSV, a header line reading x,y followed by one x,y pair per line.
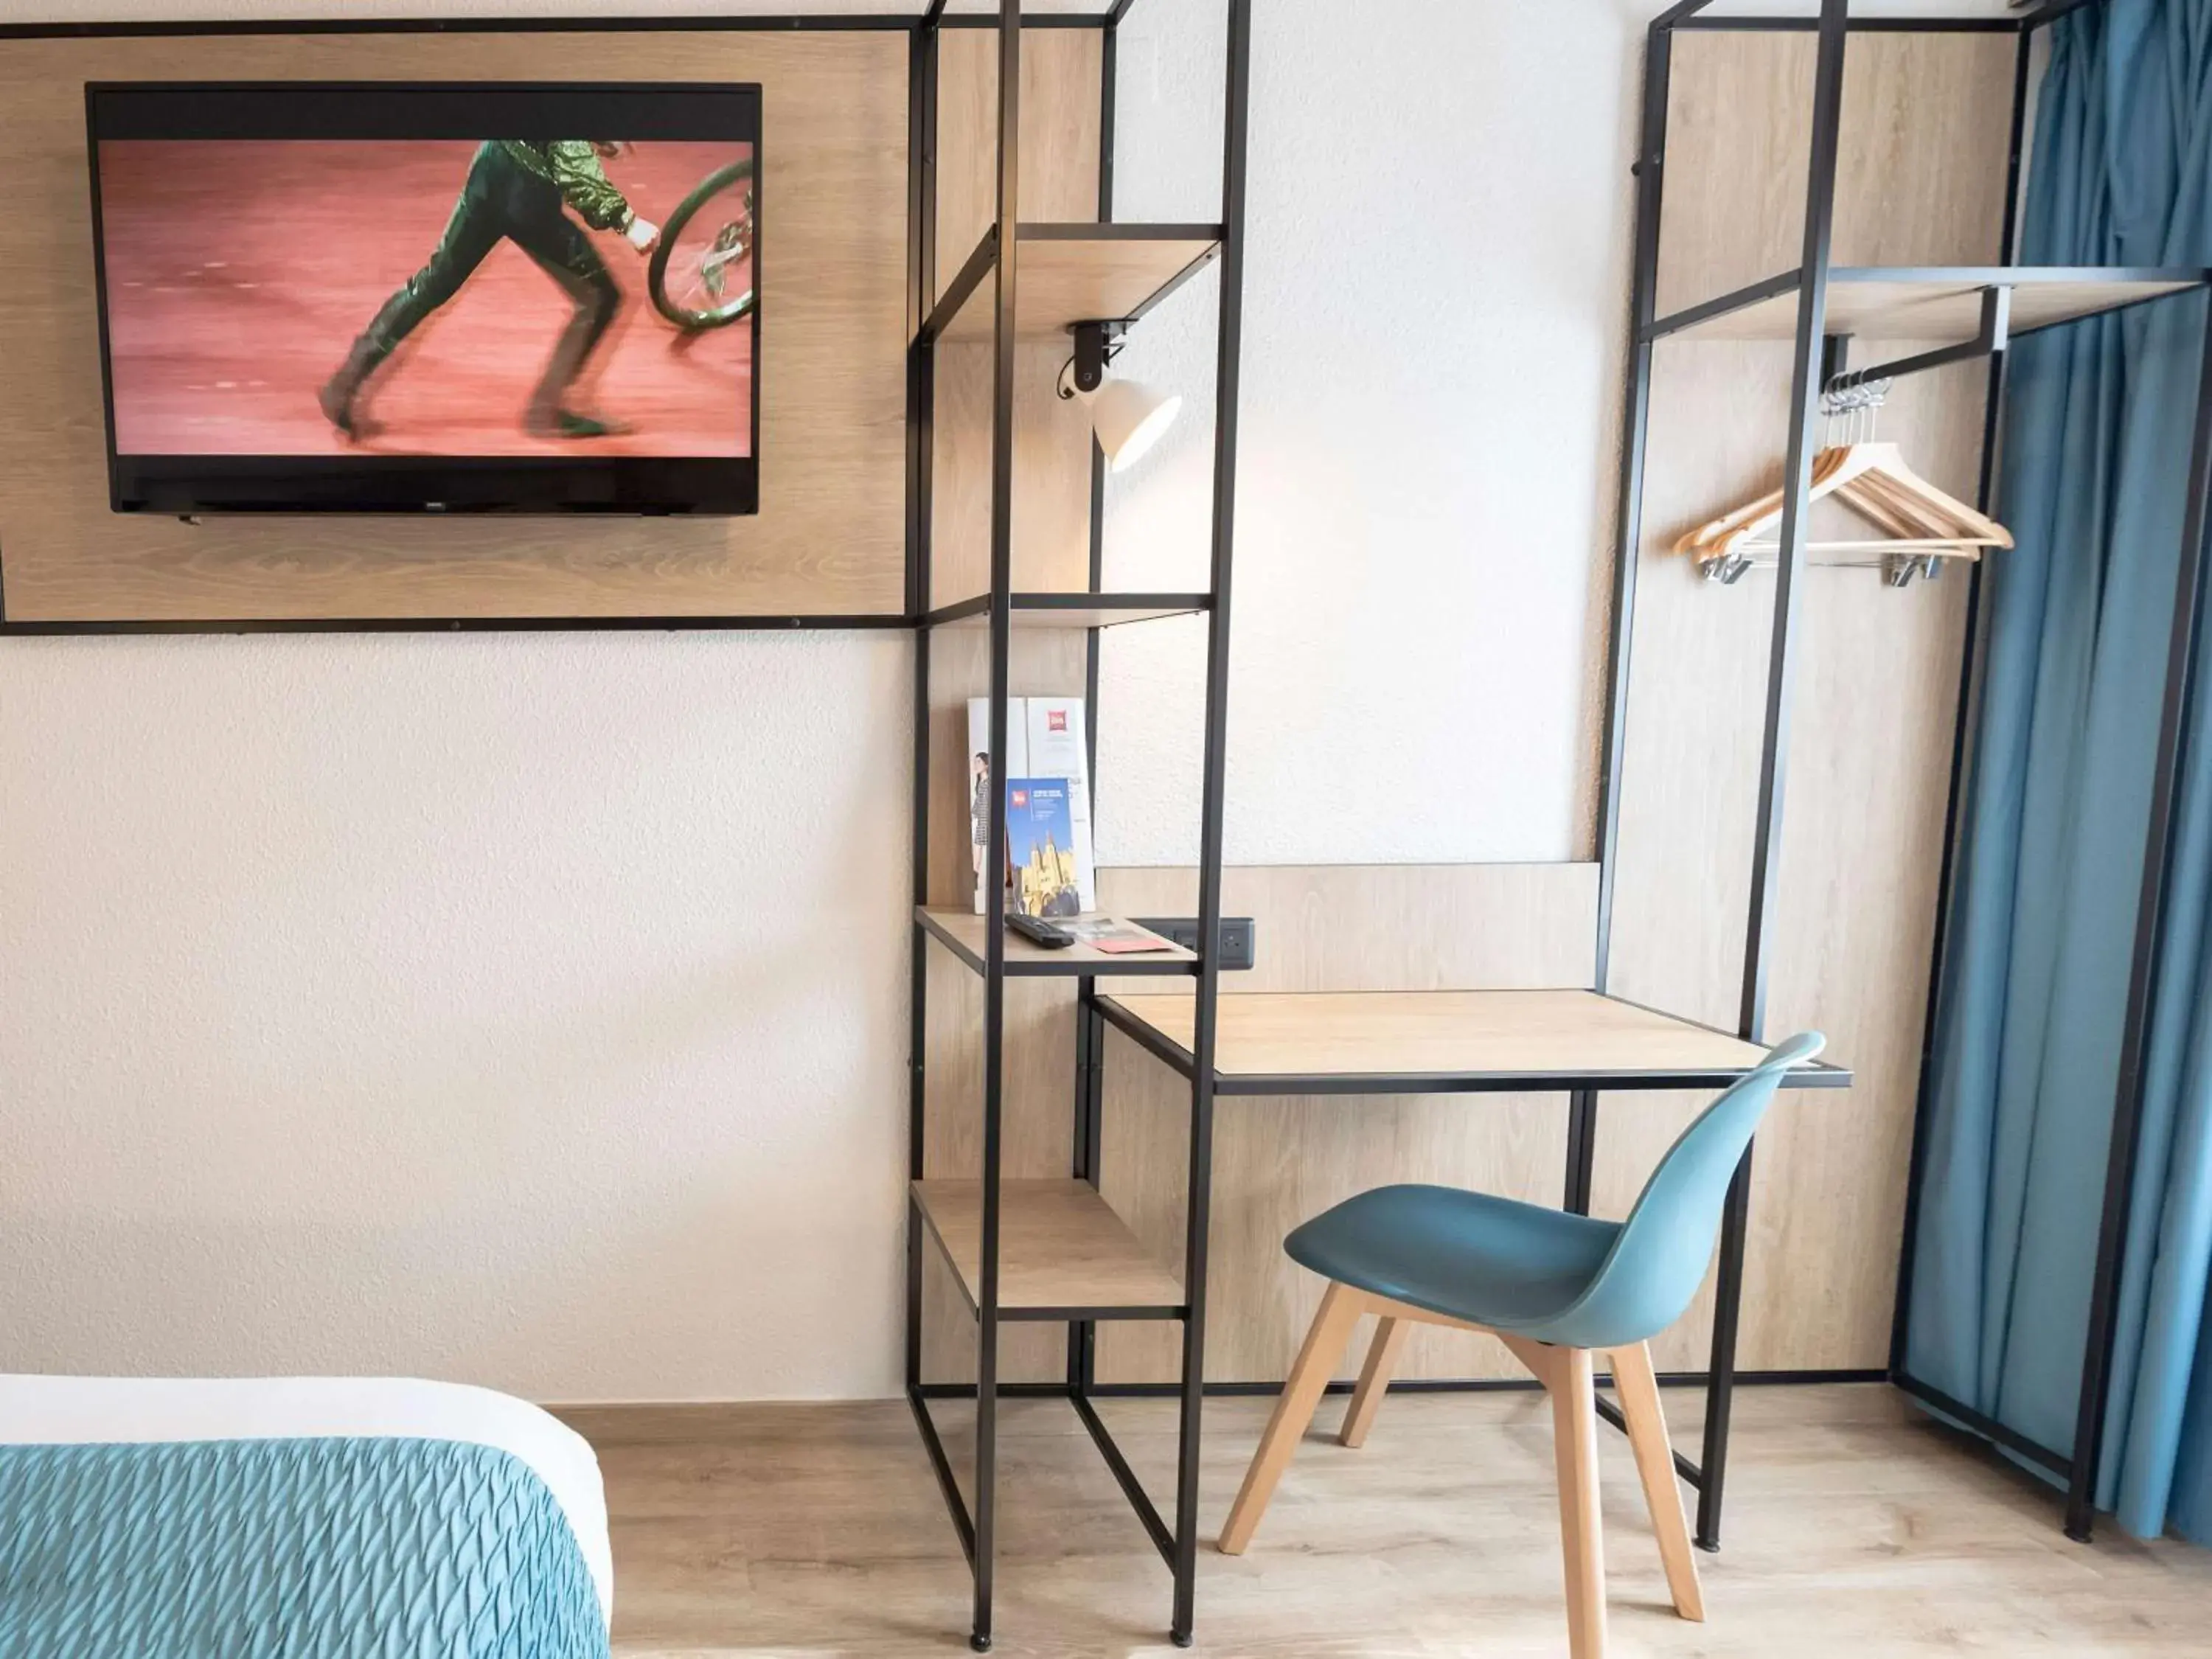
x,y
324,1548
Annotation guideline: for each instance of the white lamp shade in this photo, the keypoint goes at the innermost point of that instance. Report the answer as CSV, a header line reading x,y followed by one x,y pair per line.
x,y
1129,417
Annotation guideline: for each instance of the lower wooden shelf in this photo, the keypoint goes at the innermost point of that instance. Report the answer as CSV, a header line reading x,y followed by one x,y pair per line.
x,y
1063,1253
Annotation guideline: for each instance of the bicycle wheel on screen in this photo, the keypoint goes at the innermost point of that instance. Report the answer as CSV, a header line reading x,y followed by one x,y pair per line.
x,y
701,274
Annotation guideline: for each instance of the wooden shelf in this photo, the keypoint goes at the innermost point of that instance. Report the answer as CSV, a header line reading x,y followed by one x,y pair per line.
x,y
1073,273
961,932
1073,609
1062,1251
1907,303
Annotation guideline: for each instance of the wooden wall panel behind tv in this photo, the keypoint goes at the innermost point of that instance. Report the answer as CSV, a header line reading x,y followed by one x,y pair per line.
x,y
829,539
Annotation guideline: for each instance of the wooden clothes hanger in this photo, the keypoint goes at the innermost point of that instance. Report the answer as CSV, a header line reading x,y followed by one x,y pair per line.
x,y
1877,482
1767,507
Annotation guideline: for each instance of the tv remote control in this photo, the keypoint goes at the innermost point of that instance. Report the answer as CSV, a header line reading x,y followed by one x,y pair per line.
x,y
1039,932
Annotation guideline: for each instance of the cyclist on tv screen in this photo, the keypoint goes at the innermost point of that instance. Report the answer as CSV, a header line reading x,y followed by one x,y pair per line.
x,y
521,190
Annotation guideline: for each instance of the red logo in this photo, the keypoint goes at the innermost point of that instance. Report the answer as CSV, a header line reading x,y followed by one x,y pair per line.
x,y
1056,720
1021,798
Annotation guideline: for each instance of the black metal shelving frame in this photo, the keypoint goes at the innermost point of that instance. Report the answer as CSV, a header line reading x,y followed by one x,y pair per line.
x,y
997,261
1818,364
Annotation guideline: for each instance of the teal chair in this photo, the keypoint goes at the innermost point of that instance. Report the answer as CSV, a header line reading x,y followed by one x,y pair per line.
x,y
1557,1289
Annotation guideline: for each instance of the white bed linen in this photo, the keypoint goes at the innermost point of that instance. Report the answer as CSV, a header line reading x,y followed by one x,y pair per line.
x,y
88,1410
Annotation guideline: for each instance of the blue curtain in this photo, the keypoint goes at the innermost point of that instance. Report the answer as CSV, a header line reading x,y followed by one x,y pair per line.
x,y
2043,924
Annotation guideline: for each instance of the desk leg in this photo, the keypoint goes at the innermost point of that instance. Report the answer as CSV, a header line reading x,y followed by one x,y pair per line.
x,y
1582,1149
987,1455
1090,1080
1094,1117
1720,1387
1092,1106
1201,1206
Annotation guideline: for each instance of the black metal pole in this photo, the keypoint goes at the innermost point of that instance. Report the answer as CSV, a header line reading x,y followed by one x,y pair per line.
x,y
1004,357
1582,1150
1079,1332
1090,1040
1095,1091
1109,64
1093,1156
1090,1063
1962,742
917,309
1774,749
1109,72
1635,430
1235,124
921,206
1082,1339
932,43
2176,737
1649,170
912,1346
1720,1378
1812,314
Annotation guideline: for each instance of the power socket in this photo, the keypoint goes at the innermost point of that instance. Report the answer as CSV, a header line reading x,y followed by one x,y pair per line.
x,y
1237,947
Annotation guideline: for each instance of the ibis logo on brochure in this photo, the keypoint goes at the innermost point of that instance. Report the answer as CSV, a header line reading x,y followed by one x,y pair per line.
x,y
1021,799
1056,720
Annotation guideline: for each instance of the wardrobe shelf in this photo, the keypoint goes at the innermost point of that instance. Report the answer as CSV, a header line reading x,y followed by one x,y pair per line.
x,y
1073,609
1073,273
961,932
1063,1253
1926,303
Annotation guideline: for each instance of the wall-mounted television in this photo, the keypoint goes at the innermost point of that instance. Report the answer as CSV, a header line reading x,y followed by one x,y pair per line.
x,y
376,297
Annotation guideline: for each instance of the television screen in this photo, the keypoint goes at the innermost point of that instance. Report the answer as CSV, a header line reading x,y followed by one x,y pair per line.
x,y
388,298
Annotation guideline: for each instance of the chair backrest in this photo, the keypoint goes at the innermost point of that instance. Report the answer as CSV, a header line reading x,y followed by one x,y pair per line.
x,y
1649,1277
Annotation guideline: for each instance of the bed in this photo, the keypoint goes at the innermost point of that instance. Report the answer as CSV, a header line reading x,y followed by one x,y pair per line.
x,y
295,1518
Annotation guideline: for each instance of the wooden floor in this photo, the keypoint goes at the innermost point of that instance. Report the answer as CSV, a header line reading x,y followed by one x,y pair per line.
x,y
1856,1529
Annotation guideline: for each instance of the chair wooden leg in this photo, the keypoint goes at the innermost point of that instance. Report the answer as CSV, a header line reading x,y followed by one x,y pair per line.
x,y
1374,1380
1574,1434
1325,1341
1655,1464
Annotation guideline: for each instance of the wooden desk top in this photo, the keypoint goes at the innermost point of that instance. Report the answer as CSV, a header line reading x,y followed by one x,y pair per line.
x,y
1289,1042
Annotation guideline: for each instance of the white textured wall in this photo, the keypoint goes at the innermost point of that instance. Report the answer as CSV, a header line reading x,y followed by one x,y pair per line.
x,y
1434,314
527,1010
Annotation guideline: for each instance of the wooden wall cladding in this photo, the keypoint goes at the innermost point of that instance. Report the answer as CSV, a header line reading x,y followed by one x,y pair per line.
x,y
1061,70
1052,476
1920,181
1920,169
829,537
